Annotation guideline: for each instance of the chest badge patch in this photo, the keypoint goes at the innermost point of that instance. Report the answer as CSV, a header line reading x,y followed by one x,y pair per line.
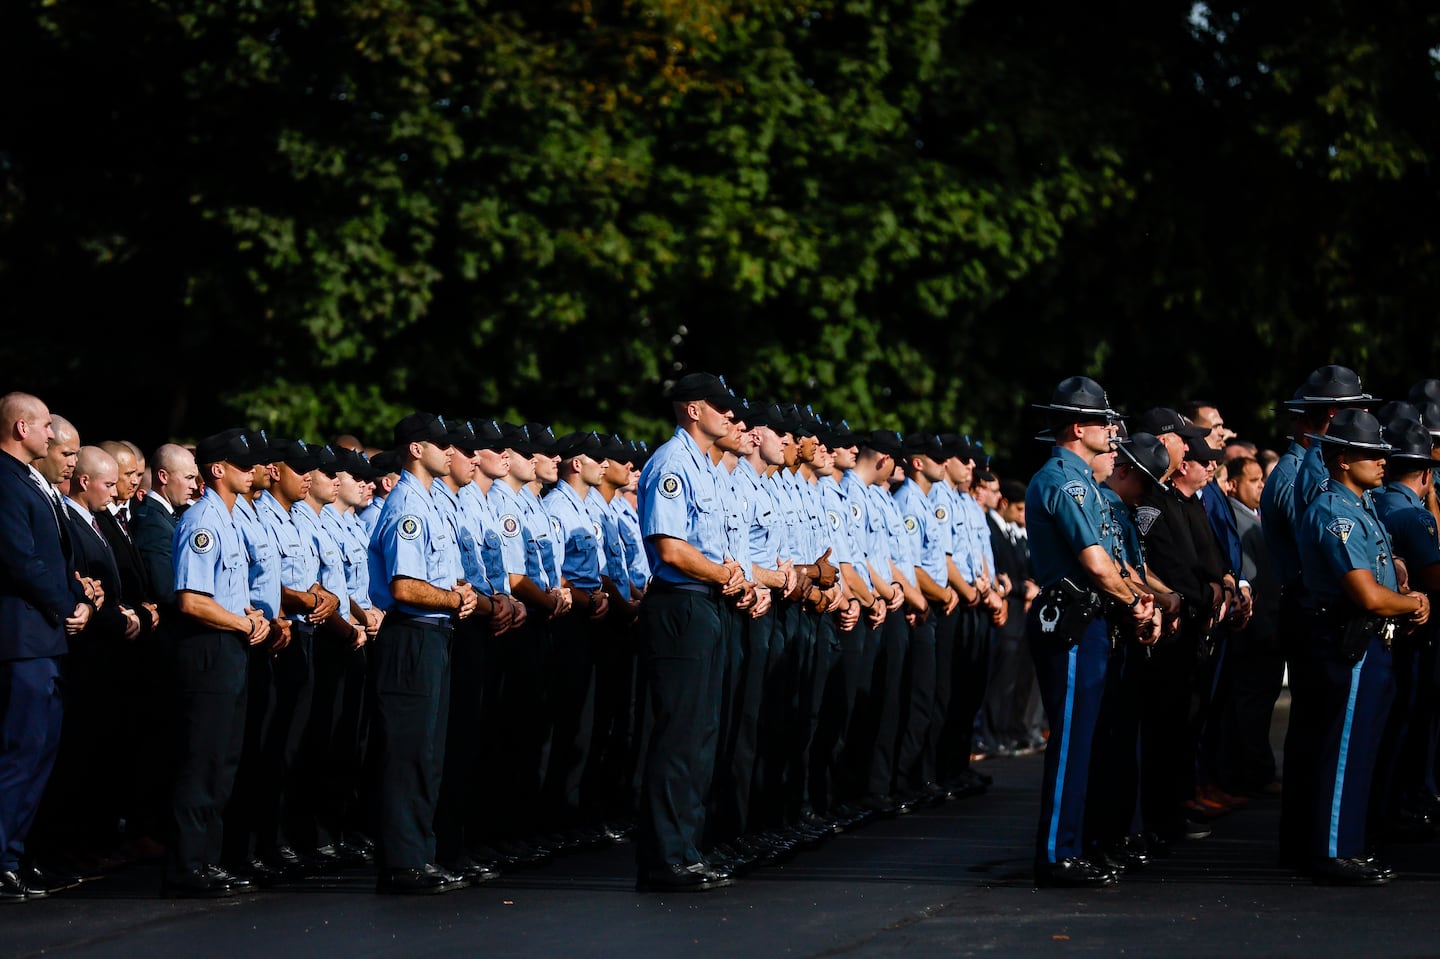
x,y
911,524
1341,528
669,486
1076,490
509,525
1145,517
203,541
941,513
855,510
409,527
834,518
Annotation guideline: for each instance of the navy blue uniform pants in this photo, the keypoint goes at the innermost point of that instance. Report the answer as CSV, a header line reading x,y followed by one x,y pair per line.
x,y
30,719
1072,685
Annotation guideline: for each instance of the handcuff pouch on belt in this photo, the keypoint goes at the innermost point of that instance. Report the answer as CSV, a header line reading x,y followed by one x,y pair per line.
x,y
1065,611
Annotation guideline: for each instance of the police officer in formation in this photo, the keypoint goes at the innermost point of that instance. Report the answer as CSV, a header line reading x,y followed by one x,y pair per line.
x,y
775,630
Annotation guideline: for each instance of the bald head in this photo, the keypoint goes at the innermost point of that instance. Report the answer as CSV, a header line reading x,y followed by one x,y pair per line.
x,y
96,475
59,462
25,431
129,466
176,477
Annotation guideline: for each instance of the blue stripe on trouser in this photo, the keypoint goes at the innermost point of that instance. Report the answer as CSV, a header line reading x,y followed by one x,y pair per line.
x,y
1072,684
1358,698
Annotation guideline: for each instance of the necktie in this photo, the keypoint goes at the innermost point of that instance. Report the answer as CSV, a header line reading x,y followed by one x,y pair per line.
x,y
122,516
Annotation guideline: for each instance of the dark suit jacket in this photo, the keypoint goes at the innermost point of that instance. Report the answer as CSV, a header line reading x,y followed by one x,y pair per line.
x,y
1013,560
94,558
134,578
38,589
152,527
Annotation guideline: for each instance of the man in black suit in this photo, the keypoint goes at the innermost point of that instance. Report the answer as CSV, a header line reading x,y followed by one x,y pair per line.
x,y
152,519
41,601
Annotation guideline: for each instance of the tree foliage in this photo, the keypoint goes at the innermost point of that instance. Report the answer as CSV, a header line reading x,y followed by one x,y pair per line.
x,y
314,216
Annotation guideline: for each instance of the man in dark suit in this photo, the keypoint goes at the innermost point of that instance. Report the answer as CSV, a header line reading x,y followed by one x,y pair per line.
x,y
152,519
41,601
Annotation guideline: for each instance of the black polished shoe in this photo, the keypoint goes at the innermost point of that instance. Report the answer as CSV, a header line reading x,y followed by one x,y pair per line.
x,y
695,877
350,855
48,880
880,805
471,872
13,888
1126,855
1349,872
290,863
197,884
236,883
1073,873
412,882
258,873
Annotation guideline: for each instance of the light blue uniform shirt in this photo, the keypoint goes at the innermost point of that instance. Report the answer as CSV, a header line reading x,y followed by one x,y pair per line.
x,y
837,520
263,557
332,559
737,520
680,497
352,538
1064,515
604,518
370,515
857,505
208,556
1280,515
475,511
787,500
520,548
636,566
413,541
299,559
584,561
815,523
922,530
887,523
552,545
472,564
1341,532
767,533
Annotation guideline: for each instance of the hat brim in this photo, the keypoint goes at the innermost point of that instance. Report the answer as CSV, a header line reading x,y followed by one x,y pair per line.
x,y
1303,403
1351,444
1124,450
1080,412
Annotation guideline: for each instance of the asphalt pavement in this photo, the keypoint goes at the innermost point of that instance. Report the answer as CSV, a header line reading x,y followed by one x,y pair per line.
x,y
947,881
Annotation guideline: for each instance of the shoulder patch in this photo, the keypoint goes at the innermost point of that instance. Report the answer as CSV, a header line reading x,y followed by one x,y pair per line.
x,y
670,485
409,527
911,524
1325,485
202,541
1075,490
941,513
1341,528
855,510
1430,528
510,525
1145,517
595,525
834,518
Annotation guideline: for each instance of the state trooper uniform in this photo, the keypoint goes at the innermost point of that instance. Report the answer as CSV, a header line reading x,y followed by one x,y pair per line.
x,y
1070,643
1290,488
210,671
1398,800
410,670
1350,682
681,647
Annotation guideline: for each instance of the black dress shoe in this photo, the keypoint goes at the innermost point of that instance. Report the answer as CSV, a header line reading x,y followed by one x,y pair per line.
x,y
290,863
197,884
695,877
49,880
236,883
412,882
1350,872
1073,873
258,873
1126,855
471,872
13,888
350,855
